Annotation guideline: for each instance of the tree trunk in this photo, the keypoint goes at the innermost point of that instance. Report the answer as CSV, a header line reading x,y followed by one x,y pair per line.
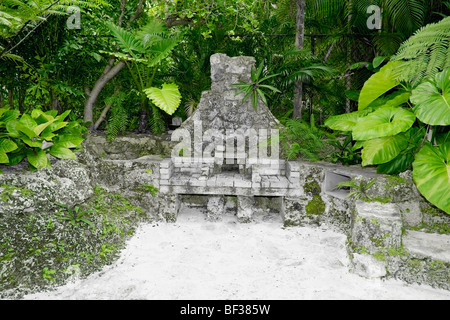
x,y
299,44
349,58
110,70
11,98
109,73
21,100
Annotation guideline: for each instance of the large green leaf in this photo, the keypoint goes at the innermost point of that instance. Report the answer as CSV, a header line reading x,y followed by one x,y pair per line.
x,y
400,164
383,150
377,85
168,98
37,158
3,157
62,152
6,146
431,173
9,115
127,41
68,140
384,122
3,110
343,122
431,100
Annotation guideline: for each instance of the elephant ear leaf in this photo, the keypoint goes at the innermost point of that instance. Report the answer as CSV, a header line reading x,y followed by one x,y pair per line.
x,y
383,150
343,122
431,100
386,121
431,173
168,98
377,85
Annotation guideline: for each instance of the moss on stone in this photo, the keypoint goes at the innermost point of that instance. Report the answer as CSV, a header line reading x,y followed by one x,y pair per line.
x,y
42,249
8,191
312,186
316,206
394,180
380,256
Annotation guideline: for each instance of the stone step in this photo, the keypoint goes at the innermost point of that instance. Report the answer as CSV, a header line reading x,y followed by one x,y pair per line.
x,y
428,245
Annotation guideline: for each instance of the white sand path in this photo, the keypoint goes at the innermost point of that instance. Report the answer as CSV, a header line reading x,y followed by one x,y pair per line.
x,y
194,259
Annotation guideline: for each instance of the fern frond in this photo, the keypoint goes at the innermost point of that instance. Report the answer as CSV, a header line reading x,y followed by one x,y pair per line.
x,y
426,53
117,123
156,121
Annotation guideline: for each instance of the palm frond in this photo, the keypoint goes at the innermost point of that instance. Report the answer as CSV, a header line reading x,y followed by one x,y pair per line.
x,y
406,15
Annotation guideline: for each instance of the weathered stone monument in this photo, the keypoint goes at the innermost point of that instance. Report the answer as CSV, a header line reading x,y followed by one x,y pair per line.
x,y
228,147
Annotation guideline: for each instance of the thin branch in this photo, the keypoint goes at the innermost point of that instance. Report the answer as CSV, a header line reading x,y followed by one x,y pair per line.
x,y
138,12
122,11
7,50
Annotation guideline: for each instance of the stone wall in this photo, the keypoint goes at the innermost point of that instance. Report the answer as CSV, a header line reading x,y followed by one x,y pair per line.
x,y
392,231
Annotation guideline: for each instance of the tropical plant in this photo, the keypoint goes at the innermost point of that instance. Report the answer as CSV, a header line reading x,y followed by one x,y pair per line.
x,y
393,139
74,216
35,135
360,191
424,54
17,16
143,51
347,152
255,89
300,138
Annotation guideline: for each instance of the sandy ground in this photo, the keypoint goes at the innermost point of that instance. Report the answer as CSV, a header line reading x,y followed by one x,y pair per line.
x,y
194,259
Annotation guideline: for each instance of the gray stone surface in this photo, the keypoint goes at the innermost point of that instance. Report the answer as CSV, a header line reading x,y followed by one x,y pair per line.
x,y
67,182
411,214
128,147
221,110
215,208
376,226
245,207
367,266
428,245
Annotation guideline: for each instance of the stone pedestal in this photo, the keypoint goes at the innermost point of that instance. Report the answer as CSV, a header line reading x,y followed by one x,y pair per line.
x,y
245,206
169,207
215,208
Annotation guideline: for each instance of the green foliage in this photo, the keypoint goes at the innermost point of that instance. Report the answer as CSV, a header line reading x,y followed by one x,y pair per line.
x,y
380,83
144,50
255,89
15,15
360,191
390,134
37,134
148,188
300,138
425,54
75,215
347,153
167,98
432,174
431,100
385,121
118,122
